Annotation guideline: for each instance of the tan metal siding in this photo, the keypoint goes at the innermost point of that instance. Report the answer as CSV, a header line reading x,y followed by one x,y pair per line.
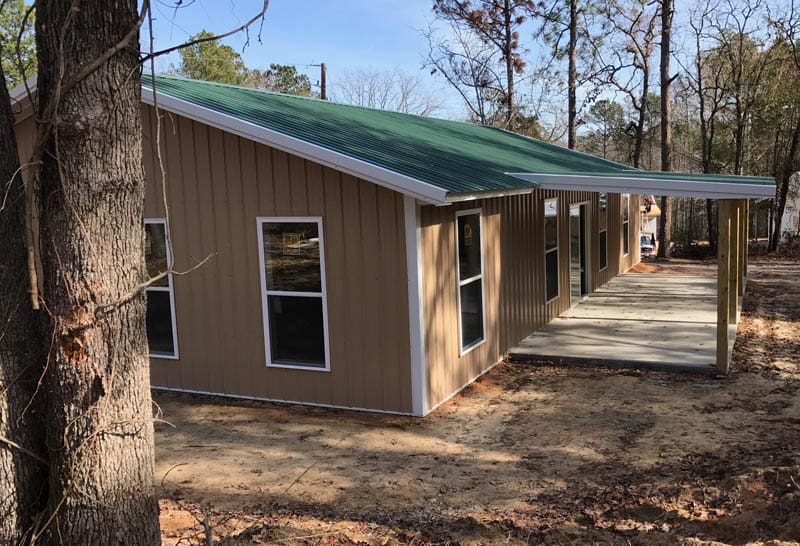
x,y
513,245
217,184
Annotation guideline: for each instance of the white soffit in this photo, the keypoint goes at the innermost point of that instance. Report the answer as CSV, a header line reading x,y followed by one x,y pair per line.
x,y
651,186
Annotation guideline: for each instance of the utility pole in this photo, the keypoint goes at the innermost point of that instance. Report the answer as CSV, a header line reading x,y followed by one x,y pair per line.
x,y
323,81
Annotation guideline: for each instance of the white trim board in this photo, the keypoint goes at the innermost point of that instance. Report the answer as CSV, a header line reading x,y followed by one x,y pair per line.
x,y
416,317
671,187
324,156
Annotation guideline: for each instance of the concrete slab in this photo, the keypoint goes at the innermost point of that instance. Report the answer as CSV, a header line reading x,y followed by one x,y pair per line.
x,y
636,320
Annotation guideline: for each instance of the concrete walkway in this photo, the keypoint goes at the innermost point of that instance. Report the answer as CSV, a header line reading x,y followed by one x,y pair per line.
x,y
636,320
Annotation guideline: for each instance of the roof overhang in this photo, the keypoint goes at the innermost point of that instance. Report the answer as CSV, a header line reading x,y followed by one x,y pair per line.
x,y
674,187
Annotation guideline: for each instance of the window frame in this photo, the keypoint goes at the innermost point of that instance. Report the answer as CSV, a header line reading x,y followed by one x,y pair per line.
x,y
169,288
602,213
554,249
459,283
625,225
323,294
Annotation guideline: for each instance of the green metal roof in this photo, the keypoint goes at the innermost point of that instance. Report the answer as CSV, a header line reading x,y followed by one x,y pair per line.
x,y
457,157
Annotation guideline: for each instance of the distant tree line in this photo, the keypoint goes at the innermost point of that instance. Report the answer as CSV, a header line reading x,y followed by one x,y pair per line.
x,y
735,90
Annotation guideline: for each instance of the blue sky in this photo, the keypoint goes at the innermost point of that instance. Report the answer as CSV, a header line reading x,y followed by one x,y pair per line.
x,y
345,34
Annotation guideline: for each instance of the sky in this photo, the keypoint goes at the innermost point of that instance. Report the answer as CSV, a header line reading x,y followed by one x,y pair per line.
x,y
344,34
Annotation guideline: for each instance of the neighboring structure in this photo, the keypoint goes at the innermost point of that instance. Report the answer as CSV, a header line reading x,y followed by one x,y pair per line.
x,y
790,225
362,258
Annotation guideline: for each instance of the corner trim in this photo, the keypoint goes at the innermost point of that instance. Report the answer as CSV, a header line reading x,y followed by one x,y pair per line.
x,y
416,319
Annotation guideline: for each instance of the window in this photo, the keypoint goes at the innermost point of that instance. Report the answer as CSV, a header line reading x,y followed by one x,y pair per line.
x,y
470,279
626,198
551,248
162,337
602,216
294,301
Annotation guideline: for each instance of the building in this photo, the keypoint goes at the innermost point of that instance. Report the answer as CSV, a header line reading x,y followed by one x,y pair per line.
x,y
357,258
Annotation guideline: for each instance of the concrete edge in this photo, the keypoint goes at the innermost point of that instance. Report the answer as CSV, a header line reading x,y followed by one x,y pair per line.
x,y
709,370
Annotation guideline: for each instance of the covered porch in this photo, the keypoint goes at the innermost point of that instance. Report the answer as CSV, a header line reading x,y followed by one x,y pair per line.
x,y
642,320
691,324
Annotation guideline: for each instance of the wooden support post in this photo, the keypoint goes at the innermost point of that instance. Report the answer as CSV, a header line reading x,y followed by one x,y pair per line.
x,y
733,276
746,240
723,286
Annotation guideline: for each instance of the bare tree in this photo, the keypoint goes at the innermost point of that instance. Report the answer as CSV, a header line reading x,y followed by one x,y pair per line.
x,y
390,89
665,220
496,24
787,25
628,61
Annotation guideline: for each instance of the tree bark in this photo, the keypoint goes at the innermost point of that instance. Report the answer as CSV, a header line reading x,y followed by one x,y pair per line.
x,y
572,78
23,474
665,220
99,416
509,58
782,188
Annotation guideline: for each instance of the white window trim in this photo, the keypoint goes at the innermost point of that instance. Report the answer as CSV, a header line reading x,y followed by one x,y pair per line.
x,y
626,197
260,221
169,288
554,249
474,345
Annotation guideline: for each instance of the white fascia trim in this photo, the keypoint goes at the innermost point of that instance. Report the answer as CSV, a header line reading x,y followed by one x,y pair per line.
x,y
416,318
279,401
474,196
671,187
341,162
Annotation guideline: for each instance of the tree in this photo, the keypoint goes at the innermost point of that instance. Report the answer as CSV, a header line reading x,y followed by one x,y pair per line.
x,y
280,78
18,42
391,89
629,67
609,118
496,24
22,455
574,20
211,60
786,155
665,223
98,410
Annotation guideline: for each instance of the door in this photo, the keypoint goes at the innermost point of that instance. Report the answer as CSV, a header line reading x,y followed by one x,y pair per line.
x,y
578,259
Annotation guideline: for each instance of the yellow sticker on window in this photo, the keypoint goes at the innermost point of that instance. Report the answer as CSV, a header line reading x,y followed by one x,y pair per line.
x,y
467,234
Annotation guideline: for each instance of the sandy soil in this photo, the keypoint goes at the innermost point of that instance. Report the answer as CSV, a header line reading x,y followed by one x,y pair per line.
x,y
525,455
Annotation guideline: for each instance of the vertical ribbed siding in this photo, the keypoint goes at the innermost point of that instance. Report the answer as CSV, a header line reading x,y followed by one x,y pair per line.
x,y
514,279
217,184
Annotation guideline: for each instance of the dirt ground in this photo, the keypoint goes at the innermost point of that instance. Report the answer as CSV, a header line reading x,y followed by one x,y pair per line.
x,y
536,455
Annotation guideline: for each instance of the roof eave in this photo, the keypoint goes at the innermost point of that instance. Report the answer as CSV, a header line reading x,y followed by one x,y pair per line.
x,y
473,196
406,185
655,186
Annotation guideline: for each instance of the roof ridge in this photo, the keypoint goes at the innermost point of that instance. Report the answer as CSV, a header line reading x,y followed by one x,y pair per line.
x,y
321,101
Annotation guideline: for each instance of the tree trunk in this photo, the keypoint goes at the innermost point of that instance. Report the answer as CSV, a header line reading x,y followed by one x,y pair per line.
x,y
665,222
712,227
99,415
572,83
509,58
782,188
23,476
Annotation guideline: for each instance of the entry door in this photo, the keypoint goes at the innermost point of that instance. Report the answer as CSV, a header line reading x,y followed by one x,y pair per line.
x,y
578,270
